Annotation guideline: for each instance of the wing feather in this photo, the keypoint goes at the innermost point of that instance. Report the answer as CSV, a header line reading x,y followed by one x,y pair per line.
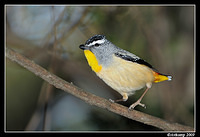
x,y
133,58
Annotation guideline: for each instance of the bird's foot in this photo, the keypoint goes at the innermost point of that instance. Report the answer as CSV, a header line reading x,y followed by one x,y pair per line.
x,y
111,100
135,104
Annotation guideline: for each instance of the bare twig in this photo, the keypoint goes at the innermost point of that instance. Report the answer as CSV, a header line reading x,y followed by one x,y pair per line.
x,y
91,98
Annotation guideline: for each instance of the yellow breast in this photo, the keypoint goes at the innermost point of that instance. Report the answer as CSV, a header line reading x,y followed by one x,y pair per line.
x,y
92,61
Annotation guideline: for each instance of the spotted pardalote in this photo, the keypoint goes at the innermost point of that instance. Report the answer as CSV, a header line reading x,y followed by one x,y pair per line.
x,y
120,69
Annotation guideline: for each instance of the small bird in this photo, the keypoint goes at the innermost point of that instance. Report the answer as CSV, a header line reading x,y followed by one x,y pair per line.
x,y
120,69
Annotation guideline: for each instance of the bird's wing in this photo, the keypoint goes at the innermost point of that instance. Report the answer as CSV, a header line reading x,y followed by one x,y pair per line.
x,y
133,58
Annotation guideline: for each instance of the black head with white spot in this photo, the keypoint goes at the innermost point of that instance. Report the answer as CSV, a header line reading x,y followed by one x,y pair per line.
x,y
94,41
102,48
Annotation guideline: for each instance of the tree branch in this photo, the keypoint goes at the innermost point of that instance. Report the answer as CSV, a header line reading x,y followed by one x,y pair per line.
x,y
91,98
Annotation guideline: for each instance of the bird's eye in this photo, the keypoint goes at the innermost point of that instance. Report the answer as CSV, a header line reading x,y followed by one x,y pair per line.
x,y
96,45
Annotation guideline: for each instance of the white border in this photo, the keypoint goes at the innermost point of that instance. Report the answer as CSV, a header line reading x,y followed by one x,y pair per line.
x,y
100,131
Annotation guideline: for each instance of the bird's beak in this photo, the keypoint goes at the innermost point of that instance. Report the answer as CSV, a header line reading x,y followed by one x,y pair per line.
x,y
83,47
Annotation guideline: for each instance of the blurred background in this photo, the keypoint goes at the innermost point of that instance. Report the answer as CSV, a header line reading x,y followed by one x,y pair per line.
x,y
51,35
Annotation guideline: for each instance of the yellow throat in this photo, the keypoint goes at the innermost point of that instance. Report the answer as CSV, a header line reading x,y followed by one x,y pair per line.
x,y
92,61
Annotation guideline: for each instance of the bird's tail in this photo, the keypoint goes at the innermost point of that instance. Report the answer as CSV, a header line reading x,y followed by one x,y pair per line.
x,y
161,77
